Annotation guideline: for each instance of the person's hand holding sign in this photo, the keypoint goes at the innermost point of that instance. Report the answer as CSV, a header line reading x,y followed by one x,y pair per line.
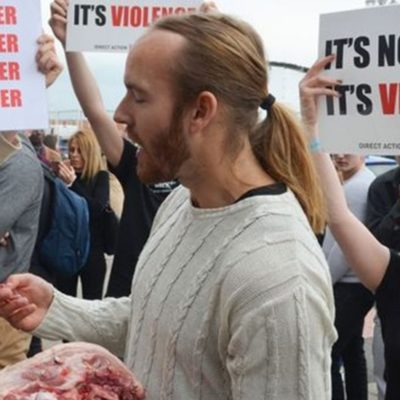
x,y
58,19
312,86
46,58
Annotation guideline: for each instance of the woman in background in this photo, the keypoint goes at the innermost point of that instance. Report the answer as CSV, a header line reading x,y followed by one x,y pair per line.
x,y
84,174
377,266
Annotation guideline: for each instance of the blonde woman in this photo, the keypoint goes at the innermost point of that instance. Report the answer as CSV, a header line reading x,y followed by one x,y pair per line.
x,y
84,174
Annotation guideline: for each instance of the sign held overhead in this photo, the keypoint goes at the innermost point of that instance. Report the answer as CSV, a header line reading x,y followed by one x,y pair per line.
x,y
113,25
365,118
23,102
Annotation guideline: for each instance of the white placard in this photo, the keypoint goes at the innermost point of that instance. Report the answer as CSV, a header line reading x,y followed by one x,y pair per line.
x,y
366,118
114,25
23,103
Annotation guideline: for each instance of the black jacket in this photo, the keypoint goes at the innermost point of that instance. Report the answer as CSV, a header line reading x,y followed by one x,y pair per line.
x,y
383,210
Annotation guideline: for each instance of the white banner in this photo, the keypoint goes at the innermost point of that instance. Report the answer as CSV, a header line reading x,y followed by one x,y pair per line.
x,y
366,117
114,25
23,102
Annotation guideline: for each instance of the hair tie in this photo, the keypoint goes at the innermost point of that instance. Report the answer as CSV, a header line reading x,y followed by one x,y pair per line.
x,y
267,102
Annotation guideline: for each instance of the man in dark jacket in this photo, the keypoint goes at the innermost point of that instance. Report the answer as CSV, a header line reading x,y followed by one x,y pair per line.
x,y
383,219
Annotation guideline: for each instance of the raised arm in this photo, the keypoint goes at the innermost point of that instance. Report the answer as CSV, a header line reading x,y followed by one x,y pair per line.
x,y
87,91
367,257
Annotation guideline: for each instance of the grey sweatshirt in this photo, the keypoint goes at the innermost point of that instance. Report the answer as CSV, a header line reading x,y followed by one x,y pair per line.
x,y
21,189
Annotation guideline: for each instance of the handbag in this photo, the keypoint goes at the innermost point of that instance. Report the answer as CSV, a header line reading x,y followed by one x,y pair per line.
x,y
110,230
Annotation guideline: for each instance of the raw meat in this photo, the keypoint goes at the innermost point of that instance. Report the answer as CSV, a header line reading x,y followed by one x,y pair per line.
x,y
73,371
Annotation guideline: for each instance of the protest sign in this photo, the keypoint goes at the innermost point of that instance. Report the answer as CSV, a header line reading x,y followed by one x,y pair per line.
x,y
22,88
114,25
365,119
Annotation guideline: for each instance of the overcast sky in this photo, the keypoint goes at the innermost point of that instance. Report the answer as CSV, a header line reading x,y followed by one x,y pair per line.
x,y
289,29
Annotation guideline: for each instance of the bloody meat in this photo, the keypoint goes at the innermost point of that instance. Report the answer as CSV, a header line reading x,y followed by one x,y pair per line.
x,y
72,371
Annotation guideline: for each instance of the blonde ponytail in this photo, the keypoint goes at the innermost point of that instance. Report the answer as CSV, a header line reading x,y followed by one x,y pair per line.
x,y
280,147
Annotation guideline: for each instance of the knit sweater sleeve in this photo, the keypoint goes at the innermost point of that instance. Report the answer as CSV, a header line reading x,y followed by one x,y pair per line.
x,y
103,322
280,334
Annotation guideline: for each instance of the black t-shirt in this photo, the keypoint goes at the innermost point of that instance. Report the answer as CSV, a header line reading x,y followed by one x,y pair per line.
x,y
141,203
388,305
273,189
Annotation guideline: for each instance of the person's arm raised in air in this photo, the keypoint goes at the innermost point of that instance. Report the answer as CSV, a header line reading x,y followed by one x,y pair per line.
x,y
87,91
367,257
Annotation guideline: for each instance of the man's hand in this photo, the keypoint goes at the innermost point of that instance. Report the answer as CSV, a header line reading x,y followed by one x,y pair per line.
x,y
58,19
311,87
25,300
47,60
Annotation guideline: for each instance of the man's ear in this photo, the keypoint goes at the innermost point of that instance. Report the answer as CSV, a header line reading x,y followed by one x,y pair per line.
x,y
203,112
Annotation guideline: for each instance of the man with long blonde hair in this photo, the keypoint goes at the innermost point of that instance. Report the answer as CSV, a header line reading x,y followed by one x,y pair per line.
x,y
232,297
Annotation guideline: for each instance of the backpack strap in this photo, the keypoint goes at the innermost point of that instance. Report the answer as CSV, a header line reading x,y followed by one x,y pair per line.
x,y
46,208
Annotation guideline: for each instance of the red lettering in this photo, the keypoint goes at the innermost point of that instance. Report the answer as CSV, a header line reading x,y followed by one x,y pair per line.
x,y
8,15
389,95
126,16
167,11
145,18
9,71
10,98
136,16
16,98
116,15
8,43
155,13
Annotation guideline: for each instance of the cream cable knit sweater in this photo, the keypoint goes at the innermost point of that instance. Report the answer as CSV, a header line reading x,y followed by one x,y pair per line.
x,y
229,303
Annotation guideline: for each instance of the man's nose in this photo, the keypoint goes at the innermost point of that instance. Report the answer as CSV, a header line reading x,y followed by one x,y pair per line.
x,y
120,115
